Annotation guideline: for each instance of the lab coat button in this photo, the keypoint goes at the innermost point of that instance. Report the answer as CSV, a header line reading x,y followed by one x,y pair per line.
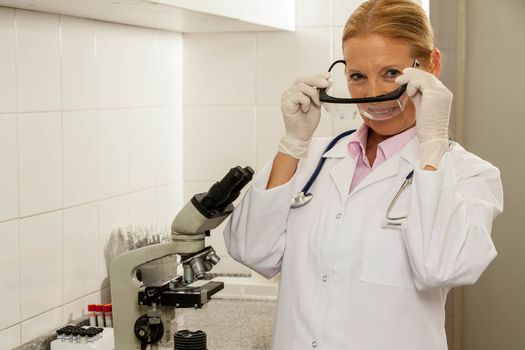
x,y
338,216
325,278
314,344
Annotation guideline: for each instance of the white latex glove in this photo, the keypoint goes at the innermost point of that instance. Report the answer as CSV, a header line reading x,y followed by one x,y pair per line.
x,y
433,101
301,110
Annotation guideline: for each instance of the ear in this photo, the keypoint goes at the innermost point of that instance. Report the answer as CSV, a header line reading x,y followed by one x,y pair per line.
x,y
435,62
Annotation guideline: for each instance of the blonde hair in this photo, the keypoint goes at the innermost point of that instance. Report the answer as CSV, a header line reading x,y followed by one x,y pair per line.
x,y
402,20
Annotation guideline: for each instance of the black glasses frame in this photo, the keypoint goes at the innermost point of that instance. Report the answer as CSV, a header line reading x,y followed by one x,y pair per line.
x,y
394,95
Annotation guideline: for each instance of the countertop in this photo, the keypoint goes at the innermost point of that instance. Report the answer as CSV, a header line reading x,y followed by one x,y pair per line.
x,y
230,324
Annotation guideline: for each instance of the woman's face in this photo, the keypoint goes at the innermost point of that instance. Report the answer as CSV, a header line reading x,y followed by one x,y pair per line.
x,y
373,62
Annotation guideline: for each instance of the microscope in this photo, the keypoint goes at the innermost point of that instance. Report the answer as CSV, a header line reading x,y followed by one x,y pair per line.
x,y
138,309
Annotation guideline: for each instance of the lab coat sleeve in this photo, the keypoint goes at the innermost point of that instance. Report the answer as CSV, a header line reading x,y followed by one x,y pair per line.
x,y
448,229
255,233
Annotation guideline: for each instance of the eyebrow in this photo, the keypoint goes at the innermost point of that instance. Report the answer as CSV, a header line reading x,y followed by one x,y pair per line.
x,y
390,66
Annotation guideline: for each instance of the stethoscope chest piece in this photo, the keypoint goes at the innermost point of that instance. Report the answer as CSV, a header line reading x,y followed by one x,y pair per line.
x,y
301,199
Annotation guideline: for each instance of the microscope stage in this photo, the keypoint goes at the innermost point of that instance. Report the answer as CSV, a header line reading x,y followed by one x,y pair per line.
x,y
171,293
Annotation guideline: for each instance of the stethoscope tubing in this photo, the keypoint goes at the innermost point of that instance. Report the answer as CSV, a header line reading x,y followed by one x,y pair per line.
x,y
321,162
303,197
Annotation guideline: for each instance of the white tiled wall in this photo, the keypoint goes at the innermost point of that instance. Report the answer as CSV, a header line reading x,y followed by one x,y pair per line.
x,y
90,140
232,88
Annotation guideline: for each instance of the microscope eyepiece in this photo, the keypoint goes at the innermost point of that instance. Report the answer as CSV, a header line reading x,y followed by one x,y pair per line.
x,y
224,192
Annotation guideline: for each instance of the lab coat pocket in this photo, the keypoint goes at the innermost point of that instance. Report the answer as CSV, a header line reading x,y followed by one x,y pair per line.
x,y
385,258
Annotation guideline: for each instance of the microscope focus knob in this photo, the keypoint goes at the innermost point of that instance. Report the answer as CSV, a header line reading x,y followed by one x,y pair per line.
x,y
148,330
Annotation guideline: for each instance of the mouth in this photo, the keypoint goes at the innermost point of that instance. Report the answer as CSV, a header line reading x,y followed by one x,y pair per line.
x,y
381,113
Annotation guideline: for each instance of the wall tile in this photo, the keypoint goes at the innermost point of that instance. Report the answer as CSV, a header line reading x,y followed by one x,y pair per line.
x,y
9,260
125,66
9,173
113,152
113,213
218,76
10,338
169,203
143,148
37,61
283,57
113,78
170,145
270,129
143,207
337,44
80,157
342,9
65,154
311,13
78,62
40,152
191,188
78,308
41,324
80,270
168,71
40,263
142,67
7,61
226,138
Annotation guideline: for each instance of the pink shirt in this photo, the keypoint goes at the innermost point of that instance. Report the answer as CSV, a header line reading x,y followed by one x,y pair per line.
x,y
386,149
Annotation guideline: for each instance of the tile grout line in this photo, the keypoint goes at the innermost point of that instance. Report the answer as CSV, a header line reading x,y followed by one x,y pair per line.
x,y
60,51
18,180
256,99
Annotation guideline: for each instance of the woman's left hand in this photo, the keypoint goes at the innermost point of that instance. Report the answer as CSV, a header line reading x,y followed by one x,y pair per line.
x,y
433,101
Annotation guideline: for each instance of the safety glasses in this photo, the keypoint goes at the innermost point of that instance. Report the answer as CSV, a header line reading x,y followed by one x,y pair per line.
x,y
380,107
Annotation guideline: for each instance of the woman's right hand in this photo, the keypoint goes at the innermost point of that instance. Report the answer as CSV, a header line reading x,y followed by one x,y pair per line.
x,y
301,110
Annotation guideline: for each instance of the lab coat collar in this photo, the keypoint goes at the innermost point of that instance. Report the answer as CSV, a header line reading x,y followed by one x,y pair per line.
x,y
393,165
343,172
411,151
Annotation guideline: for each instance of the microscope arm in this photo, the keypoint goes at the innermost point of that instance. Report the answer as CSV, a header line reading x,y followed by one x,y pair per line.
x,y
125,286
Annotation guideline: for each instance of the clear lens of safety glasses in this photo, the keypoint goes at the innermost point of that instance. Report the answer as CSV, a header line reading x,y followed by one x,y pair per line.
x,y
339,102
383,110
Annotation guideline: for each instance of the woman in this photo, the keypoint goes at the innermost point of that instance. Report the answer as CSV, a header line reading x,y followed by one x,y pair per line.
x,y
348,279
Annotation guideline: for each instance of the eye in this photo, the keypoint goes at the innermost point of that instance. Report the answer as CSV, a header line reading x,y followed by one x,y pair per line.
x,y
356,77
392,73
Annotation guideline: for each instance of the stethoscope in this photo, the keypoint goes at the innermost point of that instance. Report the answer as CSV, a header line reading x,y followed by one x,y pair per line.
x,y
304,196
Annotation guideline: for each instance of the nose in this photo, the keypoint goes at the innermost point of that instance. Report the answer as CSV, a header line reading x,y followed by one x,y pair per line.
x,y
376,87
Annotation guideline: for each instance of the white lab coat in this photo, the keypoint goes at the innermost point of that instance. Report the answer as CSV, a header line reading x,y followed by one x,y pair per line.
x,y
346,282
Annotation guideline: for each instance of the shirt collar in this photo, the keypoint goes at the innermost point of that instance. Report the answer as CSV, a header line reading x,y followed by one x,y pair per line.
x,y
396,143
389,147
357,145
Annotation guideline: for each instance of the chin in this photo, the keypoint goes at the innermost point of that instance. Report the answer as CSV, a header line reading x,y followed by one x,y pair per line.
x,y
391,126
